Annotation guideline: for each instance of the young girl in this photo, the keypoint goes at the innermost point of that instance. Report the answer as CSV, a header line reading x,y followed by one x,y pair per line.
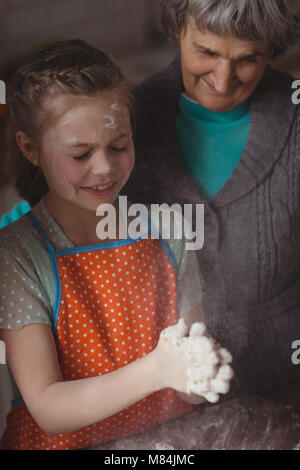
x,y
81,318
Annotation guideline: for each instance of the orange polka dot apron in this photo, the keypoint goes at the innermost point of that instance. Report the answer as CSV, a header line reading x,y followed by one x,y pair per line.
x,y
112,301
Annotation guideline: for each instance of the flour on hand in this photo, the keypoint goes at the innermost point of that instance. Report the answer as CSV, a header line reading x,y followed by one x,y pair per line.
x,y
207,364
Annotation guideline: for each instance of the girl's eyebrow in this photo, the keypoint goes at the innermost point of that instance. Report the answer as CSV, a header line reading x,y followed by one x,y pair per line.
x,y
122,134
86,144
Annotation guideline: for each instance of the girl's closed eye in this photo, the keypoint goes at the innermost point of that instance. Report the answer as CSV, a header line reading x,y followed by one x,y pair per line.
x,y
81,157
118,149
112,147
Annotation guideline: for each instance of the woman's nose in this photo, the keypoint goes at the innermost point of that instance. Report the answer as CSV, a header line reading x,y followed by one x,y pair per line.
x,y
223,75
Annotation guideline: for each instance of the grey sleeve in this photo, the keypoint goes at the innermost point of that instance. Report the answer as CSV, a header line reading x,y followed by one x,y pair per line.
x,y
21,299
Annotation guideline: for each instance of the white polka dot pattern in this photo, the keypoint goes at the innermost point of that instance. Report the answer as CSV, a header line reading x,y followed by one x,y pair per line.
x,y
114,304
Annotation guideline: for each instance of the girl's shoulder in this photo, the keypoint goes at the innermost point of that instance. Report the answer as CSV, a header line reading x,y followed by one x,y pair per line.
x,y
14,236
25,276
24,234
24,256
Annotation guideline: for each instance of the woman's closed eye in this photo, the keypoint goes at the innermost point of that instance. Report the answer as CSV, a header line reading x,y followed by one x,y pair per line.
x,y
248,60
210,53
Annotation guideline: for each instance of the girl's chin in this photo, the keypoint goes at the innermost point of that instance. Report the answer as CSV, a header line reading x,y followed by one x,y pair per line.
x,y
93,202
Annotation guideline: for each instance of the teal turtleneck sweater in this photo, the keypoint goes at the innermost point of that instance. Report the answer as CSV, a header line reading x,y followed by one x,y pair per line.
x,y
211,143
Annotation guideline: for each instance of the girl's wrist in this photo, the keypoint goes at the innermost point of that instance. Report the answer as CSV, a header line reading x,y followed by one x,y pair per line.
x,y
154,370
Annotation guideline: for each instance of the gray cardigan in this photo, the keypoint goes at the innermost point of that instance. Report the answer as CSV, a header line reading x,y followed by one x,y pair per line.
x,y
250,262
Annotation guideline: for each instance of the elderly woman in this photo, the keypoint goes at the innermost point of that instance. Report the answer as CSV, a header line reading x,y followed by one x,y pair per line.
x,y
218,127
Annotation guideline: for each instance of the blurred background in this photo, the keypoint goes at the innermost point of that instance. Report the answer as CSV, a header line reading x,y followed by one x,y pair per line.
x,y
129,29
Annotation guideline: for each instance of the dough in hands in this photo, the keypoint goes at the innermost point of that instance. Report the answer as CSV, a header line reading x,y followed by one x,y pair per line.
x,y
207,363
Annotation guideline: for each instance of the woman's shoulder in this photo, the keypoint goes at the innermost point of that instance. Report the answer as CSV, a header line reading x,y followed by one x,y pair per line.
x,y
164,81
276,83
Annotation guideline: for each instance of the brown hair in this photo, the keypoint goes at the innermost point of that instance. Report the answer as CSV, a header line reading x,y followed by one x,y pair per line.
x,y
69,67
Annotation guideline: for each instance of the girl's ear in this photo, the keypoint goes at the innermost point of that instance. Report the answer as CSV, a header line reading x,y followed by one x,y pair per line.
x,y
27,147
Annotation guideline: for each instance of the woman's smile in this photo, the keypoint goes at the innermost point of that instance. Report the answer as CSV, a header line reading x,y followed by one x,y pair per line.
x,y
220,72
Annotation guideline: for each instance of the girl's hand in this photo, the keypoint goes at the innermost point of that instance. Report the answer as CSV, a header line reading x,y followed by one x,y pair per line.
x,y
171,364
192,399
193,364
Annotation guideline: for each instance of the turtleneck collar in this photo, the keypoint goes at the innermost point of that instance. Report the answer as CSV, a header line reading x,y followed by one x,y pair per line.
x,y
196,110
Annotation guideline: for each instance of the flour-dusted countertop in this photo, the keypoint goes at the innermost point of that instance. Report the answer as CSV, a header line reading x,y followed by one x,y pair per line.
x,y
265,422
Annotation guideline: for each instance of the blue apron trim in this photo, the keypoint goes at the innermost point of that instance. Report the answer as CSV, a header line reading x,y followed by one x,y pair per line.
x,y
57,280
169,253
17,402
80,249
100,246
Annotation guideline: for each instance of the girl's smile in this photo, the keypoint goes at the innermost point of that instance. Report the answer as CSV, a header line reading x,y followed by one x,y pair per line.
x,y
100,189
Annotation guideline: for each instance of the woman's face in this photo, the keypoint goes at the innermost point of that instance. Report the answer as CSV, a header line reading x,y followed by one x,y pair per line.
x,y
220,72
87,152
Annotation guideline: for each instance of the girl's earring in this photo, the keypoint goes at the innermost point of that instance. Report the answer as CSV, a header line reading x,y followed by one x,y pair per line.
x,y
36,162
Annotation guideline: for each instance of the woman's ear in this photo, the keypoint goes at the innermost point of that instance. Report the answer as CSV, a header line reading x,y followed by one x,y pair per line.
x,y
27,147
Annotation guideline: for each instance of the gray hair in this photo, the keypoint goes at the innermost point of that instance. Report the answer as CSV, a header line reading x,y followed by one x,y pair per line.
x,y
274,21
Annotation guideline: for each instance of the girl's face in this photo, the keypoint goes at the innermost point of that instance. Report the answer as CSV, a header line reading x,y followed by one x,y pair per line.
x,y
87,153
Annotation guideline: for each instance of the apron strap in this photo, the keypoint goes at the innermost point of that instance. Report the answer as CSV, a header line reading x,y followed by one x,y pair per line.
x,y
35,222
52,256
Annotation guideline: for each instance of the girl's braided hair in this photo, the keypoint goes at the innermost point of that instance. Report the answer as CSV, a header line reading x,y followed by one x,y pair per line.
x,y
64,67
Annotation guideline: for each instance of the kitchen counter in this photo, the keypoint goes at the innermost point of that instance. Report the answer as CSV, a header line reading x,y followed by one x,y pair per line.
x,y
269,421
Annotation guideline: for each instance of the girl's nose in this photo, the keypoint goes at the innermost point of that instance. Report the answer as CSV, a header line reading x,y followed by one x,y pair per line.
x,y
223,76
102,164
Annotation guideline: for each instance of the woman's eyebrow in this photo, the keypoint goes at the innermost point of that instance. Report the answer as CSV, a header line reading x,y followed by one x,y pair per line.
x,y
252,56
204,49
240,57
